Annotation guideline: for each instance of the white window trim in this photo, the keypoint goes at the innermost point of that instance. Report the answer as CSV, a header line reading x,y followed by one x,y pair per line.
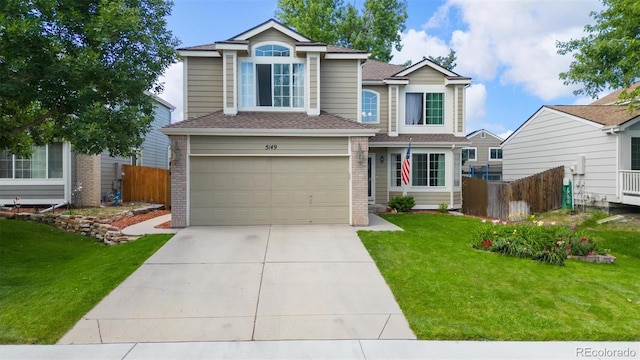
x,y
475,152
424,105
377,121
448,168
290,60
489,154
38,181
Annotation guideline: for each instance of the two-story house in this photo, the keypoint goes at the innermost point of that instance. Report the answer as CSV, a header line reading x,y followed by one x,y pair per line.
x,y
281,129
483,157
54,174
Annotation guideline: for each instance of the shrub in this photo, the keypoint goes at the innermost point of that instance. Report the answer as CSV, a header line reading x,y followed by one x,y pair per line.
x,y
443,208
402,203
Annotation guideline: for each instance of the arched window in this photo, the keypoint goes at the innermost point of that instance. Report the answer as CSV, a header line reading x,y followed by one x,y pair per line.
x,y
370,106
273,50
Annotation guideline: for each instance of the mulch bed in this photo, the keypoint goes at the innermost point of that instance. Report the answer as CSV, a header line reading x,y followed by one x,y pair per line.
x,y
128,221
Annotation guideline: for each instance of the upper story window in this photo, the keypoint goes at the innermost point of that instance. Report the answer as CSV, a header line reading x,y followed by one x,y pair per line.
x,y
273,50
44,163
370,106
495,154
272,78
469,154
424,108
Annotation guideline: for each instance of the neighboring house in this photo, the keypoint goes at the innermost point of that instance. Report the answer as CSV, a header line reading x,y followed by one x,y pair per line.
x,y
483,158
280,129
54,174
598,145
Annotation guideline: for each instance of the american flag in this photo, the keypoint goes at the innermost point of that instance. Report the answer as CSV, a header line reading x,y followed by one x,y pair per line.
x,y
406,166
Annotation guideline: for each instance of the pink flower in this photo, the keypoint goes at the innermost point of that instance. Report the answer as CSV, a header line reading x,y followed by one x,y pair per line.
x,y
584,239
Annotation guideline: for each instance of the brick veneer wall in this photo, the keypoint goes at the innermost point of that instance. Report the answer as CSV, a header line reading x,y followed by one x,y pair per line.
x,y
87,174
359,183
179,182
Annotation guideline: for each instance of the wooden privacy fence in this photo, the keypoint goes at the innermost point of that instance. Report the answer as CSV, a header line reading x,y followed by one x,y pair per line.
x,y
514,200
141,183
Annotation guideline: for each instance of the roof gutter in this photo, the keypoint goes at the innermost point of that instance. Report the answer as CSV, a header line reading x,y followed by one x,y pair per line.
x,y
270,132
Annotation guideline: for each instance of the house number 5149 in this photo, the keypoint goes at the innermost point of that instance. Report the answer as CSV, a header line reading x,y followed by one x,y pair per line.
x,y
271,147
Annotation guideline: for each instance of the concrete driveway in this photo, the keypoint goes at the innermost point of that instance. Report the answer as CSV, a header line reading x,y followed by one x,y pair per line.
x,y
232,283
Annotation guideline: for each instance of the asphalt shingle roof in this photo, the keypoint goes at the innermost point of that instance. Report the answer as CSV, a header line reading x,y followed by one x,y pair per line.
x,y
377,70
419,138
269,120
608,115
613,97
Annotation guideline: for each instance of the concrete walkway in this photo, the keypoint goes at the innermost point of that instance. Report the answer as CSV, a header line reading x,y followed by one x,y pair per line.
x,y
331,349
149,227
236,283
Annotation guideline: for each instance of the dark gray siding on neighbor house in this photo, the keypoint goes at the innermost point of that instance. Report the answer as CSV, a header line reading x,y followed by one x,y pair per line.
x,y
155,153
110,171
155,148
54,192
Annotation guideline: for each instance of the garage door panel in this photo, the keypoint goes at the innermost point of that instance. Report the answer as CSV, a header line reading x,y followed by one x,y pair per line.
x,y
269,190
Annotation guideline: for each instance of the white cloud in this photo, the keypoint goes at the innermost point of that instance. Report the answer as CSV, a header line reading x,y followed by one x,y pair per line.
x,y
173,84
416,45
476,98
505,134
515,41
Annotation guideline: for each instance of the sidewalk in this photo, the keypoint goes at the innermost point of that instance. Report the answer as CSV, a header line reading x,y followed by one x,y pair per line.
x,y
149,227
329,349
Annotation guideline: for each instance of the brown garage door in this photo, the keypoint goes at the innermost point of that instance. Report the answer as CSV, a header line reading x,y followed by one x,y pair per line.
x,y
269,190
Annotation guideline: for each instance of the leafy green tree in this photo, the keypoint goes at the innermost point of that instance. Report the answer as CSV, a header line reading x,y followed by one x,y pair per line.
x,y
78,70
448,62
609,56
375,28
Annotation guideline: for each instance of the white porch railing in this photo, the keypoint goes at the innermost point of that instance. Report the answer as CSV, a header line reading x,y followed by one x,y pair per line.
x,y
630,187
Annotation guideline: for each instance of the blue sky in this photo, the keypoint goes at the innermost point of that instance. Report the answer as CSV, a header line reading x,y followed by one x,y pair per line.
x,y
506,46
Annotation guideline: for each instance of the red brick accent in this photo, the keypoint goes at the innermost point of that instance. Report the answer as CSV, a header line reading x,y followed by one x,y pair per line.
x,y
179,181
359,184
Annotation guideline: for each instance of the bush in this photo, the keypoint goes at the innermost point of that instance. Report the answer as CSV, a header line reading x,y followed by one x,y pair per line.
x,y
545,243
402,203
443,208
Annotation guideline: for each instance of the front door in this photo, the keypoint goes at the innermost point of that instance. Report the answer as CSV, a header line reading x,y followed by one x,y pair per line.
x,y
371,177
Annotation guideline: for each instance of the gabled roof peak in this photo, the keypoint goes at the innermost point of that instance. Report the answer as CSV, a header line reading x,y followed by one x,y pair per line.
x,y
270,24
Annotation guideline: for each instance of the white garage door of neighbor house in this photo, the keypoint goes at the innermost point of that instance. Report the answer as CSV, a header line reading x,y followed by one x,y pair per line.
x,y
269,190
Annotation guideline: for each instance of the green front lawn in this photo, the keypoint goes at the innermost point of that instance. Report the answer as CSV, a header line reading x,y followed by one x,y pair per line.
x,y
449,291
49,278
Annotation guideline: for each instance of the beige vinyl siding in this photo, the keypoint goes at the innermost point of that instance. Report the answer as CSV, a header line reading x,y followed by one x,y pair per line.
x,y
551,139
383,103
482,152
381,177
427,199
204,86
231,145
426,76
272,35
313,82
339,87
461,114
230,65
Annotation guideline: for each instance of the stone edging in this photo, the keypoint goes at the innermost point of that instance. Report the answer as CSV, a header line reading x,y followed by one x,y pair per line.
x,y
93,226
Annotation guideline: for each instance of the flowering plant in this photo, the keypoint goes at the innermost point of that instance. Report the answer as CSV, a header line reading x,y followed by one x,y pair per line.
x,y
536,240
